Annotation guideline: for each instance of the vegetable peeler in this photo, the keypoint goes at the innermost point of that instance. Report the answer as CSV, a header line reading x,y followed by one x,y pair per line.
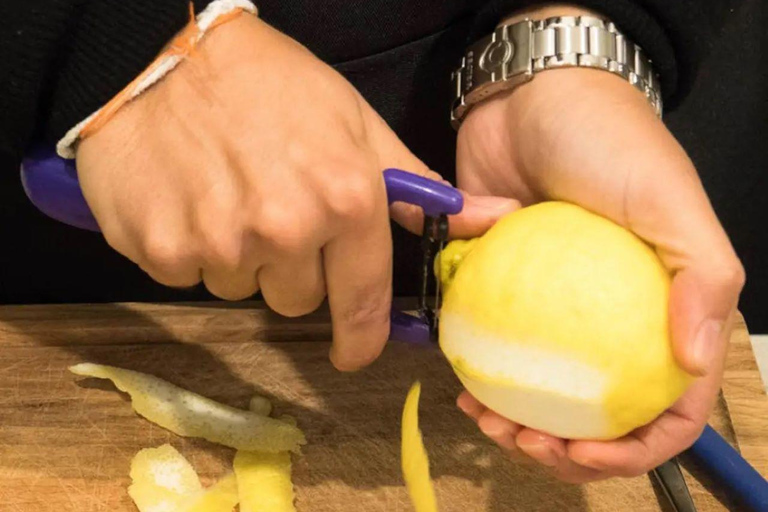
x,y
52,186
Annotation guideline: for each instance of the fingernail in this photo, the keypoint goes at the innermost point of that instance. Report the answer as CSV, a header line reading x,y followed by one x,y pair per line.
x,y
465,408
542,453
705,345
491,430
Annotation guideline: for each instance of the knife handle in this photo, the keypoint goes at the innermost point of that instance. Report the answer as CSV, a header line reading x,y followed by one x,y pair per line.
x,y
51,184
729,470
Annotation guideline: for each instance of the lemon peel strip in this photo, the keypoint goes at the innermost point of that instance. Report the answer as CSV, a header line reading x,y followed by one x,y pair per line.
x,y
415,462
165,467
264,481
260,405
148,498
220,497
161,479
191,415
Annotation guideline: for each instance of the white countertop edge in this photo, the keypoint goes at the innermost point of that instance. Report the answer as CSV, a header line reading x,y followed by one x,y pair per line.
x,y
760,348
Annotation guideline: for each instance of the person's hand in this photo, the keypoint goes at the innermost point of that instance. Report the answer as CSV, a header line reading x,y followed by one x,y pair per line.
x,y
252,166
589,138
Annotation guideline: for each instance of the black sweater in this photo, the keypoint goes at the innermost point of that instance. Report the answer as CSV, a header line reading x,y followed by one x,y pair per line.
x,y
62,59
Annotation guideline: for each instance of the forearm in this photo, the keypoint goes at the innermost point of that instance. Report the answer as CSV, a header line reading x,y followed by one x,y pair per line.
x,y
676,35
65,58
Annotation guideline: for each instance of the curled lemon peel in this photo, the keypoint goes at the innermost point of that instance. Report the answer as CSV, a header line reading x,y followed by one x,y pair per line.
x,y
165,467
260,405
155,499
191,415
264,481
220,497
161,479
415,462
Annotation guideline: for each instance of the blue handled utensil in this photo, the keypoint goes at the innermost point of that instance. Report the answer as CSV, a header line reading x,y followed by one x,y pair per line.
x,y
52,186
723,464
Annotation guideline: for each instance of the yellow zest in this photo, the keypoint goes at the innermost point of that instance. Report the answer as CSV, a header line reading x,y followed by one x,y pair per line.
x,y
260,405
188,414
220,497
415,461
264,481
161,479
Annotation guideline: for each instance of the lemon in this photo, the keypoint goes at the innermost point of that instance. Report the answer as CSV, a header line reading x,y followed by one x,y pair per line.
x,y
557,319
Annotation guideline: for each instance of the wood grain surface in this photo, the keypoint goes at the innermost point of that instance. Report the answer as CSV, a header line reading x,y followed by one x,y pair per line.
x,y
66,442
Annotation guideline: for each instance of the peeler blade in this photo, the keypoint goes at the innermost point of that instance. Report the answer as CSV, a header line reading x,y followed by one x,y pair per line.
x,y
434,236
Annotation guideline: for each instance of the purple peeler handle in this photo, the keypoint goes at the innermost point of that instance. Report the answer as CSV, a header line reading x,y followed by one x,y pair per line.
x,y
433,197
52,186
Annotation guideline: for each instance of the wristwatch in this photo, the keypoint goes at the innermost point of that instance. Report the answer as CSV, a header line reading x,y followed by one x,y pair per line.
x,y
514,53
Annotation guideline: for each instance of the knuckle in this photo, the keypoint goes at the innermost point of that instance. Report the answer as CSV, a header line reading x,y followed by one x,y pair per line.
x,y
366,314
218,231
117,241
691,434
299,154
730,273
352,197
295,308
284,230
221,250
739,276
165,252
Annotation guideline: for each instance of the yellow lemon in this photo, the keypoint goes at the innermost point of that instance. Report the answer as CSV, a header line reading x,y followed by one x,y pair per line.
x,y
557,319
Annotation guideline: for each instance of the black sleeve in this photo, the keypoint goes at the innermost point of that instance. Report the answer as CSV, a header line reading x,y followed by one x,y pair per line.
x,y
675,34
63,59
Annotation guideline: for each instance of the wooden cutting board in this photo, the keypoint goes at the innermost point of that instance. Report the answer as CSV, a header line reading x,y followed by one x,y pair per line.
x,y
66,443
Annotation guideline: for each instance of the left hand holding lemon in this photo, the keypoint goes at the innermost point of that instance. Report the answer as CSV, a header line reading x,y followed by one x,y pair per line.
x,y
608,153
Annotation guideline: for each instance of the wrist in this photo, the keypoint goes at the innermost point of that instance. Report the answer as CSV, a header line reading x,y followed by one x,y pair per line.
x,y
170,55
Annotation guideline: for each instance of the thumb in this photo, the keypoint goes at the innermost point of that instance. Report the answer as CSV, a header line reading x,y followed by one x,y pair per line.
x,y
479,212
702,307
476,217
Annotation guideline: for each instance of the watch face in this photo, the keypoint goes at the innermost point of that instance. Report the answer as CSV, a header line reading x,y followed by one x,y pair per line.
x,y
496,55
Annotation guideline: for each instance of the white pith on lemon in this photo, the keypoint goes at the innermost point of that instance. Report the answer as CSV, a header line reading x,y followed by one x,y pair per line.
x,y
557,319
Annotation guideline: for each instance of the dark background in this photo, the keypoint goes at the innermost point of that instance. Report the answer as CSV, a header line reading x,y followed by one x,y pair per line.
x,y
723,125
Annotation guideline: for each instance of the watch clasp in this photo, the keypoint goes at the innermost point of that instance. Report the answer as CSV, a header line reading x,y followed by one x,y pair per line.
x,y
499,62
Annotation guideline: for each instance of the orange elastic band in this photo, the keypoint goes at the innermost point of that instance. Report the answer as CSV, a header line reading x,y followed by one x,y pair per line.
x,y
183,45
